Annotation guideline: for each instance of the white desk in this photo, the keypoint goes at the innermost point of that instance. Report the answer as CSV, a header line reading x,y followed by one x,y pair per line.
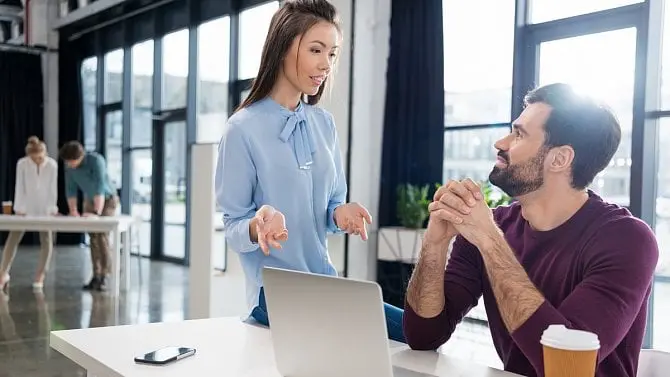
x,y
224,347
117,225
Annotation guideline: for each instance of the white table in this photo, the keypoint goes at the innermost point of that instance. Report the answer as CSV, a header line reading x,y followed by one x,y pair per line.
x,y
117,225
224,347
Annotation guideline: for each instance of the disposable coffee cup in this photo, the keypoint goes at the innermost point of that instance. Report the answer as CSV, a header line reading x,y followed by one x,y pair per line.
x,y
569,353
7,208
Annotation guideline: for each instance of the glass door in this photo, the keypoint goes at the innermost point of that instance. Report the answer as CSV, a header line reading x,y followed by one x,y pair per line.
x,y
113,147
174,190
168,235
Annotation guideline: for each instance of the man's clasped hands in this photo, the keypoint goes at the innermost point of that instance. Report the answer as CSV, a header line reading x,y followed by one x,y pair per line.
x,y
458,207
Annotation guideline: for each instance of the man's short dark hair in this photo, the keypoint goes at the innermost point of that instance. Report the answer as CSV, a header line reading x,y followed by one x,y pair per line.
x,y
72,150
589,127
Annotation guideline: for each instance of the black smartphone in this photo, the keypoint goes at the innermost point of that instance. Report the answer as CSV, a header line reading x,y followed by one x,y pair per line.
x,y
165,355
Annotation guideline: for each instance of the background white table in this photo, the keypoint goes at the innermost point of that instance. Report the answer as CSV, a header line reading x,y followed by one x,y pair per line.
x,y
224,347
117,225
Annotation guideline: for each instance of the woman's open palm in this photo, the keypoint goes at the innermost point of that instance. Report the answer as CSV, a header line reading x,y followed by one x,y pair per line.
x,y
270,228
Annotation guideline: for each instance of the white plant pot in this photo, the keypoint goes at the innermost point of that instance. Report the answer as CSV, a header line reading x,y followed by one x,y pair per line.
x,y
399,244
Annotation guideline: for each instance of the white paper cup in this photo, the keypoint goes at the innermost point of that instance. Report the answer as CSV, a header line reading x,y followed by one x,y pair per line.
x,y
569,352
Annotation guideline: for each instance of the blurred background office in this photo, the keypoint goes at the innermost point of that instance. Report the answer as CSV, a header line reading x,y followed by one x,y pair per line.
x,y
143,81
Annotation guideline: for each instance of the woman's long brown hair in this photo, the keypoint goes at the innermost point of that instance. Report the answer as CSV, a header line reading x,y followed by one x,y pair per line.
x,y
293,19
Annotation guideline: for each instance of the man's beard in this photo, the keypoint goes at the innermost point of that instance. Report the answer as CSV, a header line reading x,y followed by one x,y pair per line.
x,y
519,179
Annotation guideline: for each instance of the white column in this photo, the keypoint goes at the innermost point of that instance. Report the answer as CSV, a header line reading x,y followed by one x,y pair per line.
x,y
201,245
372,32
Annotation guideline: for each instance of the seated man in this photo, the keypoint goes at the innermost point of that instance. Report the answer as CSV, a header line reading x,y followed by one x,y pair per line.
x,y
559,255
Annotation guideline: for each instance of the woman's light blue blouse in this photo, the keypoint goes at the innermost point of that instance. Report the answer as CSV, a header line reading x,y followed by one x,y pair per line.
x,y
289,160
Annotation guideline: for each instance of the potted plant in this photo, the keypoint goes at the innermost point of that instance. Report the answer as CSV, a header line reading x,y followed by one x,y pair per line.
x,y
412,206
403,243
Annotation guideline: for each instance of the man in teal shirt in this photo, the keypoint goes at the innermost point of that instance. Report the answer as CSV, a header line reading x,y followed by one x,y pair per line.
x,y
87,171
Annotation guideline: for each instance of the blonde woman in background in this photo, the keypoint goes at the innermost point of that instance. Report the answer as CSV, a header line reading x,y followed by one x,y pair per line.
x,y
36,194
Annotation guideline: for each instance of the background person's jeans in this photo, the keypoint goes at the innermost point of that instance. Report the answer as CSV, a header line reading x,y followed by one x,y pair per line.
x,y
393,318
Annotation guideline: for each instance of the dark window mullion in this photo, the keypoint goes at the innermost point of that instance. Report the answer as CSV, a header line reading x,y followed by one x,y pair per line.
x,y
127,106
157,181
100,96
233,93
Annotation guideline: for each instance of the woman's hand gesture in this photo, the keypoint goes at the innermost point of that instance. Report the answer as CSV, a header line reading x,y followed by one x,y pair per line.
x,y
270,228
352,218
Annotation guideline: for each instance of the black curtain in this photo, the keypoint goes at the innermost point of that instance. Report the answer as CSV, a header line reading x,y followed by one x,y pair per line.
x,y
413,141
69,119
21,114
413,144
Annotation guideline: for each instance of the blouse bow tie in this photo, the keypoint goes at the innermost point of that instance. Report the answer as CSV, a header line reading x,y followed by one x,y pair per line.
x,y
297,132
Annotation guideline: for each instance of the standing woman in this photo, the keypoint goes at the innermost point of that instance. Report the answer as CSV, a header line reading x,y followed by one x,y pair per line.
x,y
279,178
36,194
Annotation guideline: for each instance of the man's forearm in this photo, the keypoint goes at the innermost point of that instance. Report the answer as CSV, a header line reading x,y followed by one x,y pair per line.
x,y
516,295
98,204
425,292
72,205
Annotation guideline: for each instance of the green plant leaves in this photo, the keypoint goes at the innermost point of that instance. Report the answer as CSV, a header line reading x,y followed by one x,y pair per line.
x,y
412,202
412,205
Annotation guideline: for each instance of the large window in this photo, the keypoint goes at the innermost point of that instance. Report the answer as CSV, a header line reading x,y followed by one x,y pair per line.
x,y
661,297
662,288
144,105
113,76
477,88
478,61
665,62
469,153
175,69
89,72
113,140
214,69
254,24
477,83
141,81
594,60
141,142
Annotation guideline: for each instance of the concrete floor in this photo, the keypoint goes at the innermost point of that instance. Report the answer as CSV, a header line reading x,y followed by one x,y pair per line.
x,y
27,317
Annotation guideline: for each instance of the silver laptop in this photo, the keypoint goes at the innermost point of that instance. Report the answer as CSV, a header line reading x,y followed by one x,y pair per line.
x,y
328,326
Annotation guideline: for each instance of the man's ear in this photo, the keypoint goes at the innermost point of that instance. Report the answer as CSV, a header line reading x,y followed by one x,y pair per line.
x,y
561,158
